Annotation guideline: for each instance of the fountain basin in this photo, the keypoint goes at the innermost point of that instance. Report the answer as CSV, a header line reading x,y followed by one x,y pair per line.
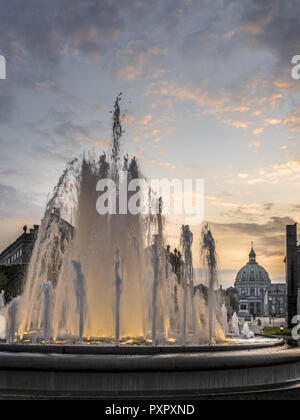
x,y
50,371
89,349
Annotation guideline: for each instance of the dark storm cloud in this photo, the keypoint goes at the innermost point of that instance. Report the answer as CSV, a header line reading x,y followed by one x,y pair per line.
x,y
36,34
262,35
273,24
45,28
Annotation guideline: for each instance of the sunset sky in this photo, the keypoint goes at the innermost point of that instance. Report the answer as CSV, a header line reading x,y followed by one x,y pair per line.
x,y
207,91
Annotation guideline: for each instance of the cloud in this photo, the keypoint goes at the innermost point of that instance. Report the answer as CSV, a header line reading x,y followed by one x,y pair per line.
x,y
272,226
256,144
36,39
164,165
274,173
272,25
146,120
14,203
292,120
258,131
241,125
7,108
268,206
137,61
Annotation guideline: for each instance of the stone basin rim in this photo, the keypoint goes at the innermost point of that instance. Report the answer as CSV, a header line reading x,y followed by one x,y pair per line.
x,y
79,349
189,362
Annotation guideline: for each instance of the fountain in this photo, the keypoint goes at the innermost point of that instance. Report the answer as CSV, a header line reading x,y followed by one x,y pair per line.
x,y
47,290
102,286
188,274
12,314
118,295
80,290
235,325
210,260
156,249
74,236
224,319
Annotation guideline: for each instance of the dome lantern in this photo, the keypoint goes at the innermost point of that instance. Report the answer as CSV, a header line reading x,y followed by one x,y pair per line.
x,y
252,255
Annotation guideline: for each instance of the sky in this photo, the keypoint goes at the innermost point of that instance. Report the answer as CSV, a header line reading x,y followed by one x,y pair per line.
x,y
207,92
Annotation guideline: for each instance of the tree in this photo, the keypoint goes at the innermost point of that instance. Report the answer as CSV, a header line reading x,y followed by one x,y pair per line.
x,y
234,303
3,281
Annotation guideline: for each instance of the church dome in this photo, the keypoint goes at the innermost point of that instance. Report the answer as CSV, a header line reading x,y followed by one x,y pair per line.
x,y
253,272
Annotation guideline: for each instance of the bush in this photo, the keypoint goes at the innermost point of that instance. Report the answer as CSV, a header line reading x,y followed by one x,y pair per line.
x,y
277,331
12,279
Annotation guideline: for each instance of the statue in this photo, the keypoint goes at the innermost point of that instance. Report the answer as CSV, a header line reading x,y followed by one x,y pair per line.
x,y
235,325
247,333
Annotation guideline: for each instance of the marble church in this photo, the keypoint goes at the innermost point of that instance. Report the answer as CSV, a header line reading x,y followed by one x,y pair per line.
x,y
256,294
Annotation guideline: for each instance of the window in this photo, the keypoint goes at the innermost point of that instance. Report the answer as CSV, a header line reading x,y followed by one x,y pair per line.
x,y
243,307
252,291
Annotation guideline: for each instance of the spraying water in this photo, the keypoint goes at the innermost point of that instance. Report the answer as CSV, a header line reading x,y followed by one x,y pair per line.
x,y
210,260
2,300
235,325
224,319
118,294
47,291
186,244
80,291
155,302
72,228
12,314
155,259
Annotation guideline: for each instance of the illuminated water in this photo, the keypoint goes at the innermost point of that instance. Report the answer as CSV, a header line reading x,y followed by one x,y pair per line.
x,y
111,281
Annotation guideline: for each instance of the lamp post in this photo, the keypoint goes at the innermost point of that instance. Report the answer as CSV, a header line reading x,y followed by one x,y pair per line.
x,y
270,310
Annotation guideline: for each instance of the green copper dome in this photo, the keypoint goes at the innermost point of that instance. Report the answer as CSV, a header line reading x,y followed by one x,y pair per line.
x,y
253,272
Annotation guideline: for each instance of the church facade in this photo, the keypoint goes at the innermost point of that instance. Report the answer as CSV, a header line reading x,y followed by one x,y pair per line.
x,y
256,294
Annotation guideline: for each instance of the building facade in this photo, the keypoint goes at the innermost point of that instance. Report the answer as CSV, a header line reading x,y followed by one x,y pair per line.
x,y
277,299
292,262
256,294
19,252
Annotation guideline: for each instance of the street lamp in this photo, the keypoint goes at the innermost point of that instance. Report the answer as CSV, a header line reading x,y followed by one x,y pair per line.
x,y
271,311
